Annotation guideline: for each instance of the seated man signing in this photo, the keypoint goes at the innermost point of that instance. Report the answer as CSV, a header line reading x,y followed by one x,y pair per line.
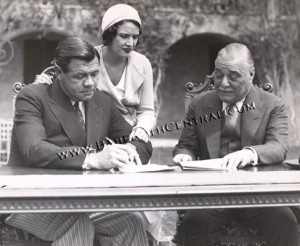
x,y
245,135
70,114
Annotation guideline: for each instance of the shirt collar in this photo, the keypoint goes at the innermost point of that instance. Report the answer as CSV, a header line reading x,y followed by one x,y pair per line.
x,y
79,103
239,104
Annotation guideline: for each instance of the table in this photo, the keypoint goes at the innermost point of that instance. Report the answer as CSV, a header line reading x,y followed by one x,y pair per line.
x,y
44,190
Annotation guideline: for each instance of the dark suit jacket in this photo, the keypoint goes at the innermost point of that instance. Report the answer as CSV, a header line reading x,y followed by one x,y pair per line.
x,y
263,128
45,124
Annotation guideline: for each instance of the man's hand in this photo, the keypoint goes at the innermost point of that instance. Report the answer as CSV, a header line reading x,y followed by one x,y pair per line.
x,y
182,157
139,133
114,156
238,159
133,154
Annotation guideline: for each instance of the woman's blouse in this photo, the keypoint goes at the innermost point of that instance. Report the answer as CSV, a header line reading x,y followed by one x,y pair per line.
x,y
134,92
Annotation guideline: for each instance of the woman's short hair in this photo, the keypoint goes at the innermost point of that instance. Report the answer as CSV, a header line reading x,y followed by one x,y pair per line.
x,y
110,33
73,48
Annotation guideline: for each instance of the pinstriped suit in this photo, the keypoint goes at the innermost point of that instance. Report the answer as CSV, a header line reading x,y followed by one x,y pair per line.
x,y
44,125
110,229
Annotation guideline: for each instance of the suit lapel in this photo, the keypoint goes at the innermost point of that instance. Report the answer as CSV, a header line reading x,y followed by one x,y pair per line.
x,y
134,79
106,85
62,108
94,114
251,119
213,127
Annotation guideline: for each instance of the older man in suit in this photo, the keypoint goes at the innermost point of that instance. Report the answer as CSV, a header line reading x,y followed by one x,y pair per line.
x,y
52,126
251,130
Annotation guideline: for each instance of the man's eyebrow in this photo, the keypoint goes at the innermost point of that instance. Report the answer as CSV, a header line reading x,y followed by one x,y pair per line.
x,y
234,71
77,72
82,70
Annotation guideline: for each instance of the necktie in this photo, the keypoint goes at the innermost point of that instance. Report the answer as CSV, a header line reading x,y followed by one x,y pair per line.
x,y
79,115
228,127
231,117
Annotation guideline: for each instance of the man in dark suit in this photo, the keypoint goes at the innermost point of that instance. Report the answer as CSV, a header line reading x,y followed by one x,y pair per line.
x,y
63,125
246,127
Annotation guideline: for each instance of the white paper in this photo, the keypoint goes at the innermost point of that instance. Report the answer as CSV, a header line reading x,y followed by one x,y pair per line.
x,y
146,168
212,164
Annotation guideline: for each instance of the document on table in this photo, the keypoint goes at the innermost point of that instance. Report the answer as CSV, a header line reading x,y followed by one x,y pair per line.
x,y
212,164
146,168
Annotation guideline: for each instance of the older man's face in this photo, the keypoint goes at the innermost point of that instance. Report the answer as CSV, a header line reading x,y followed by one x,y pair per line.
x,y
233,78
80,82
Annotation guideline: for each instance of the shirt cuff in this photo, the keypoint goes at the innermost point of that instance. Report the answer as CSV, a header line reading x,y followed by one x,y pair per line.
x,y
86,160
254,157
147,131
131,145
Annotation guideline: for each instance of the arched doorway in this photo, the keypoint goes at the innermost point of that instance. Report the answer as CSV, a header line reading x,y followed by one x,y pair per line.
x,y
38,53
189,59
30,52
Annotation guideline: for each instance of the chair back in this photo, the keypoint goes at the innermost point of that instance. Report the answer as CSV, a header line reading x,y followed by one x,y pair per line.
x,y
5,137
50,71
192,89
18,86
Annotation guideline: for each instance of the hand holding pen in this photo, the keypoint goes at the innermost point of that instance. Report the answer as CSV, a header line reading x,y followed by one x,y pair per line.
x,y
133,156
113,156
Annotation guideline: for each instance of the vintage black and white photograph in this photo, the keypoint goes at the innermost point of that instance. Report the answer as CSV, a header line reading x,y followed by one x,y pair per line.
x,y
149,123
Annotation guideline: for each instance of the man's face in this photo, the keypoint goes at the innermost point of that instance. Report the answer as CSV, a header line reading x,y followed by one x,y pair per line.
x,y
233,78
80,81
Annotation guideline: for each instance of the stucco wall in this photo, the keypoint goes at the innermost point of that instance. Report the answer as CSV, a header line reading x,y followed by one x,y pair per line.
x,y
180,24
10,73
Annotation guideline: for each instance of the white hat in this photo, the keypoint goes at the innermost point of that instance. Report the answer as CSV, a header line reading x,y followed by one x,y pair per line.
x,y
117,13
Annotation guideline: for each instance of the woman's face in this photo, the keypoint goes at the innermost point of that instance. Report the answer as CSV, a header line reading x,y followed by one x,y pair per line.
x,y
126,39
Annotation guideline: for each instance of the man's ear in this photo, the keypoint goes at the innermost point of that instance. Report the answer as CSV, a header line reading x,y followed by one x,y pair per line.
x,y
252,74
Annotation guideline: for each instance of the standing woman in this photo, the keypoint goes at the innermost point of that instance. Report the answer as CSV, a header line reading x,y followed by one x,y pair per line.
x,y
124,73
127,76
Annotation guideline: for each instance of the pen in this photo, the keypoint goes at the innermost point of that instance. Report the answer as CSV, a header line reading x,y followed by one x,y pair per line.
x,y
130,159
112,170
109,140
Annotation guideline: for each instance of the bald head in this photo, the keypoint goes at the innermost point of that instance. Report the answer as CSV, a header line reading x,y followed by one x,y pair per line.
x,y
235,53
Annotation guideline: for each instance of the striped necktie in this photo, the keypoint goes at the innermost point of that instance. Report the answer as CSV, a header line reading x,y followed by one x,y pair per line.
x,y
79,115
